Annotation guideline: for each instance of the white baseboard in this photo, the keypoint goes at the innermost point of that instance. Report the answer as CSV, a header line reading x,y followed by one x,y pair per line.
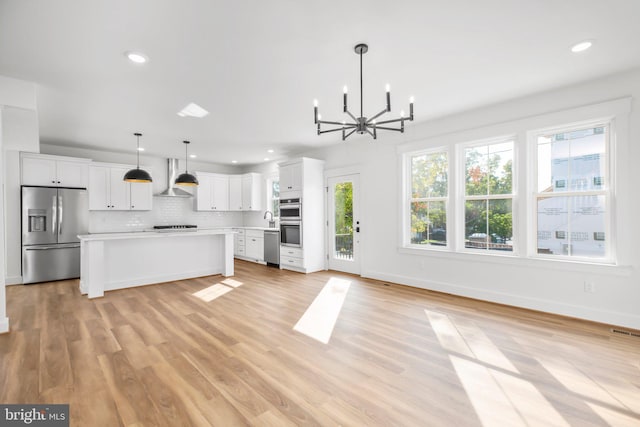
x,y
4,325
13,280
538,304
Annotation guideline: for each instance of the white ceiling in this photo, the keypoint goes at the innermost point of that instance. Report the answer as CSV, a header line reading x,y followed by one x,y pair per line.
x,y
257,65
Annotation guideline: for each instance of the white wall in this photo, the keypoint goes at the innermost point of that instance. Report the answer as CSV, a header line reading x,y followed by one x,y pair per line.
x,y
542,285
4,320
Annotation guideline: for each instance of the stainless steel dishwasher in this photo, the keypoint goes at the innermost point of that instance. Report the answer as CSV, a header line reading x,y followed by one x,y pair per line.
x,y
272,247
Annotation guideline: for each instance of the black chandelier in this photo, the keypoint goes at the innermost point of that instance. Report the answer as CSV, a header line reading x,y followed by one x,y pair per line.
x,y
362,124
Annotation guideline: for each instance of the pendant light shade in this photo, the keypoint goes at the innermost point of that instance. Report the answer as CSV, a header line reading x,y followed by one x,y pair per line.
x,y
137,174
186,178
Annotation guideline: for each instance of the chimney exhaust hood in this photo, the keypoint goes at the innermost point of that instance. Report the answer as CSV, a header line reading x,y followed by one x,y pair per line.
x,y
172,174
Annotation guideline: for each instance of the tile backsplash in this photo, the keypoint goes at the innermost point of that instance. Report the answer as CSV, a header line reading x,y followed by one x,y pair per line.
x,y
166,211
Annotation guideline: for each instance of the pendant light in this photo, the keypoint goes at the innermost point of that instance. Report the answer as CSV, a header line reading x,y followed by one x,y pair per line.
x,y
186,178
137,174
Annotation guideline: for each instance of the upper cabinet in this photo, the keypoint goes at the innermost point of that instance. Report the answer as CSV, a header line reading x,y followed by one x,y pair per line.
x,y
291,177
212,193
218,192
108,191
54,171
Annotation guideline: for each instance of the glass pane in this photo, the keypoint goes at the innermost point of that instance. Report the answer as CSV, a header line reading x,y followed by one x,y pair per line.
x,y
475,228
343,202
500,221
477,170
501,168
429,223
572,161
429,175
572,226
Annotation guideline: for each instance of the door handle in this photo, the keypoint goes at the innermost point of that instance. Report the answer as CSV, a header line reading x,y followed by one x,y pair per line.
x,y
60,215
357,229
54,214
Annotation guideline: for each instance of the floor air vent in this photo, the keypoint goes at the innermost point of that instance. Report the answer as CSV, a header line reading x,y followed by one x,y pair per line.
x,y
628,333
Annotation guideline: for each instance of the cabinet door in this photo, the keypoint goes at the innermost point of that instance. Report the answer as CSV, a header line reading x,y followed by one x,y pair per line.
x,y
235,193
141,196
119,190
203,193
72,174
254,248
39,172
252,192
220,192
291,177
99,180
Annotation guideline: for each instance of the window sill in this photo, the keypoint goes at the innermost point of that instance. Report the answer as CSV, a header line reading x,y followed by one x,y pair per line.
x,y
514,259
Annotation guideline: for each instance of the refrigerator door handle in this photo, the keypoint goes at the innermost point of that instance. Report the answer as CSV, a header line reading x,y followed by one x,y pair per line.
x,y
59,215
46,248
54,212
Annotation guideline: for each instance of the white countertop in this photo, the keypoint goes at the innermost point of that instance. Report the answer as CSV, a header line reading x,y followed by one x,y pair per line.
x,y
153,234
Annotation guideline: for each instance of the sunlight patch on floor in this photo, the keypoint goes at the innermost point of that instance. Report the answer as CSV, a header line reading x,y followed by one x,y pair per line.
x,y
231,282
212,292
321,316
613,418
495,387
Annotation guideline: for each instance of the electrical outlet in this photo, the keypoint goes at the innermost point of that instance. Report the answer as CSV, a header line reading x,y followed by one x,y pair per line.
x,y
589,287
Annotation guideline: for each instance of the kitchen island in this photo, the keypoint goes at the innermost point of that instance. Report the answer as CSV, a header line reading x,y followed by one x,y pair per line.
x,y
112,261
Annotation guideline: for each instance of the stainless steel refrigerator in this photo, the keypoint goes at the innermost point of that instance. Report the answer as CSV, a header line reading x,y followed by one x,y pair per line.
x,y
52,218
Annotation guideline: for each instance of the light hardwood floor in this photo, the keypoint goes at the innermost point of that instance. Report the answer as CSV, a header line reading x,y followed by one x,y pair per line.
x,y
159,356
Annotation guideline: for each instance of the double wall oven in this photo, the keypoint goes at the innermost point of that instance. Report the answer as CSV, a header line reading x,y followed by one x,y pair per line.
x,y
291,222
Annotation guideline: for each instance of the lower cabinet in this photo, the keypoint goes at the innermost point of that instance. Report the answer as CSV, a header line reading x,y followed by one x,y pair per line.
x,y
254,245
291,257
239,242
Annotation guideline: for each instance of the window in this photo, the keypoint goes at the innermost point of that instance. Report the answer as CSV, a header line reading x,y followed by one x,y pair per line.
x,y
273,196
488,196
576,212
428,189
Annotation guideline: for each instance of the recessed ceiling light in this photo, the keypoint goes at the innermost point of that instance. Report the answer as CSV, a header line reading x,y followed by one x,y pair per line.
x,y
193,110
234,161
193,156
582,46
269,151
140,148
266,159
137,57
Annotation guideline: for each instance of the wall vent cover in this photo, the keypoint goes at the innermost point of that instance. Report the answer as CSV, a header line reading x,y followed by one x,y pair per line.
x,y
628,333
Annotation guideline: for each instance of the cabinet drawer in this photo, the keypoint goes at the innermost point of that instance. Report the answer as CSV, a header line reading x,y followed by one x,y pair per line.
x,y
293,262
240,240
290,252
255,233
241,231
239,250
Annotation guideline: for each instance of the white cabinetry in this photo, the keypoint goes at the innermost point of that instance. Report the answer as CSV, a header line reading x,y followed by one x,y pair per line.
x,y
235,192
54,171
108,191
251,192
239,242
213,192
304,178
255,245
291,177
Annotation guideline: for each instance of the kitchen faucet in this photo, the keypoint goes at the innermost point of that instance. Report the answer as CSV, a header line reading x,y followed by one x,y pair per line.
x,y
272,223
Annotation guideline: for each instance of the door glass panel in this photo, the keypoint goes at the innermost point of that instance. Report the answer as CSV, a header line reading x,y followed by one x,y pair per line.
x,y
343,202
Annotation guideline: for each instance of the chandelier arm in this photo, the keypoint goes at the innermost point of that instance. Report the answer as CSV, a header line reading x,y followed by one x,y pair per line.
x,y
351,115
376,116
370,133
326,122
330,130
401,119
348,135
387,128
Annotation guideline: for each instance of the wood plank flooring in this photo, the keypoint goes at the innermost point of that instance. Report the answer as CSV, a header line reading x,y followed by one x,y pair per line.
x,y
159,356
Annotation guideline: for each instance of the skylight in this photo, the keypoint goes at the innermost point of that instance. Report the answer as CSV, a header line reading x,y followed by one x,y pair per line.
x,y
193,110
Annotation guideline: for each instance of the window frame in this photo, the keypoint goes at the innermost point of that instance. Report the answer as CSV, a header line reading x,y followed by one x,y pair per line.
x,y
462,197
609,177
408,200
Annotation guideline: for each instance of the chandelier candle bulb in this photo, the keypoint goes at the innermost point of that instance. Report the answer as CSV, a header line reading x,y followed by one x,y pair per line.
x,y
315,111
344,100
388,89
411,108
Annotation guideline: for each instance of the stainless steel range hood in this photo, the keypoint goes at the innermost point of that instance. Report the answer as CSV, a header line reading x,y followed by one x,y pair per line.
x,y
172,174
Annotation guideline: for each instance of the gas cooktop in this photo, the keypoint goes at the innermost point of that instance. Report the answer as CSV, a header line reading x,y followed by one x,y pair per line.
x,y
175,227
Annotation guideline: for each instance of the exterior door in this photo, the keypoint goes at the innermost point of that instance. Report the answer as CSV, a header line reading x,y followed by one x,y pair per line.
x,y
343,223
